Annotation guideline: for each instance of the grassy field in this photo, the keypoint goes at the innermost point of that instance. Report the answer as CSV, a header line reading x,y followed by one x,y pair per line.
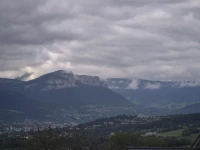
x,y
175,133
191,137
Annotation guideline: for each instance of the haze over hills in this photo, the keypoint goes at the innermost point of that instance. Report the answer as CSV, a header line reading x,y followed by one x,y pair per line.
x,y
157,94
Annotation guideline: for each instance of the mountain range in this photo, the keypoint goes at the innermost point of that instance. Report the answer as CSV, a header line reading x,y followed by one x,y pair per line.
x,y
62,95
157,94
56,92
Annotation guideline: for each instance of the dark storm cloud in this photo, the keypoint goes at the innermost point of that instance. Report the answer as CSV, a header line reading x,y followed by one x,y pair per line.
x,y
152,39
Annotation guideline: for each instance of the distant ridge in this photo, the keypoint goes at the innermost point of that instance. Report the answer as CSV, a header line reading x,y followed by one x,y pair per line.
x,y
157,94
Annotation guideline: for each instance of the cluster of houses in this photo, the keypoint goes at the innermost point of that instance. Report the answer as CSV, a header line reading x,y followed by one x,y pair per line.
x,y
127,121
28,125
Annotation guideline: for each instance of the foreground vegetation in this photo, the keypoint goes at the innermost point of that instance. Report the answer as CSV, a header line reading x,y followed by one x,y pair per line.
x,y
55,140
170,132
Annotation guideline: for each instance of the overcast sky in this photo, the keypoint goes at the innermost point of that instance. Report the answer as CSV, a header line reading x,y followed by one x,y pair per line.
x,y
148,39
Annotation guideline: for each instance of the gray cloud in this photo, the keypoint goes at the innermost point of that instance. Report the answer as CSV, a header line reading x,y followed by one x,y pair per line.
x,y
133,85
152,86
25,76
189,84
150,39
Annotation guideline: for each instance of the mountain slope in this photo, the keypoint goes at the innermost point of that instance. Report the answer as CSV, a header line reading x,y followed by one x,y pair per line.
x,y
194,108
80,96
14,106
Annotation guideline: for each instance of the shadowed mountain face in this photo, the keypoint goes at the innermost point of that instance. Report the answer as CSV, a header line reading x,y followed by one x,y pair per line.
x,y
157,94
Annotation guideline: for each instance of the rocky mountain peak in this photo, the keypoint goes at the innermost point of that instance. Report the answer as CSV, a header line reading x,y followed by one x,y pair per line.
x,y
64,79
63,72
90,80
